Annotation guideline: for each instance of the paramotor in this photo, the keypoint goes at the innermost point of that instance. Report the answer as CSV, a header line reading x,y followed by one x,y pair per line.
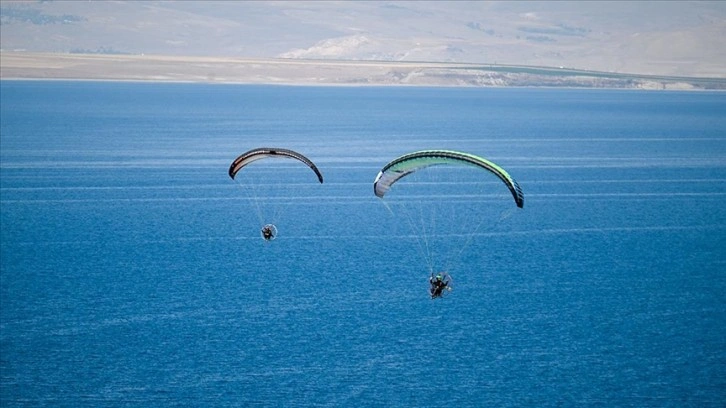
x,y
271,185
447,198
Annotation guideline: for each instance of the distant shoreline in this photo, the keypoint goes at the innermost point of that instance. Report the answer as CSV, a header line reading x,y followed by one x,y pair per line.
x,y
301,72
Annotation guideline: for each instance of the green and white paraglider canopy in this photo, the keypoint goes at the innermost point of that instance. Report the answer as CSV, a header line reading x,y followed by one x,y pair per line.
x,y
412,162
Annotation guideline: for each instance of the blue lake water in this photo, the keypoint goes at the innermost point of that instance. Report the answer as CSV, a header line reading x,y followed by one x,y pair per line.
x,y
133,273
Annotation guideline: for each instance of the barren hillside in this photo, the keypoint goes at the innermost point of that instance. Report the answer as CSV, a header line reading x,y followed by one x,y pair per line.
x,y
680,38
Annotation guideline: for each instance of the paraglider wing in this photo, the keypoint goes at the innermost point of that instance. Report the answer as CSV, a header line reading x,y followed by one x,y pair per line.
x,y
409,163
265,152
